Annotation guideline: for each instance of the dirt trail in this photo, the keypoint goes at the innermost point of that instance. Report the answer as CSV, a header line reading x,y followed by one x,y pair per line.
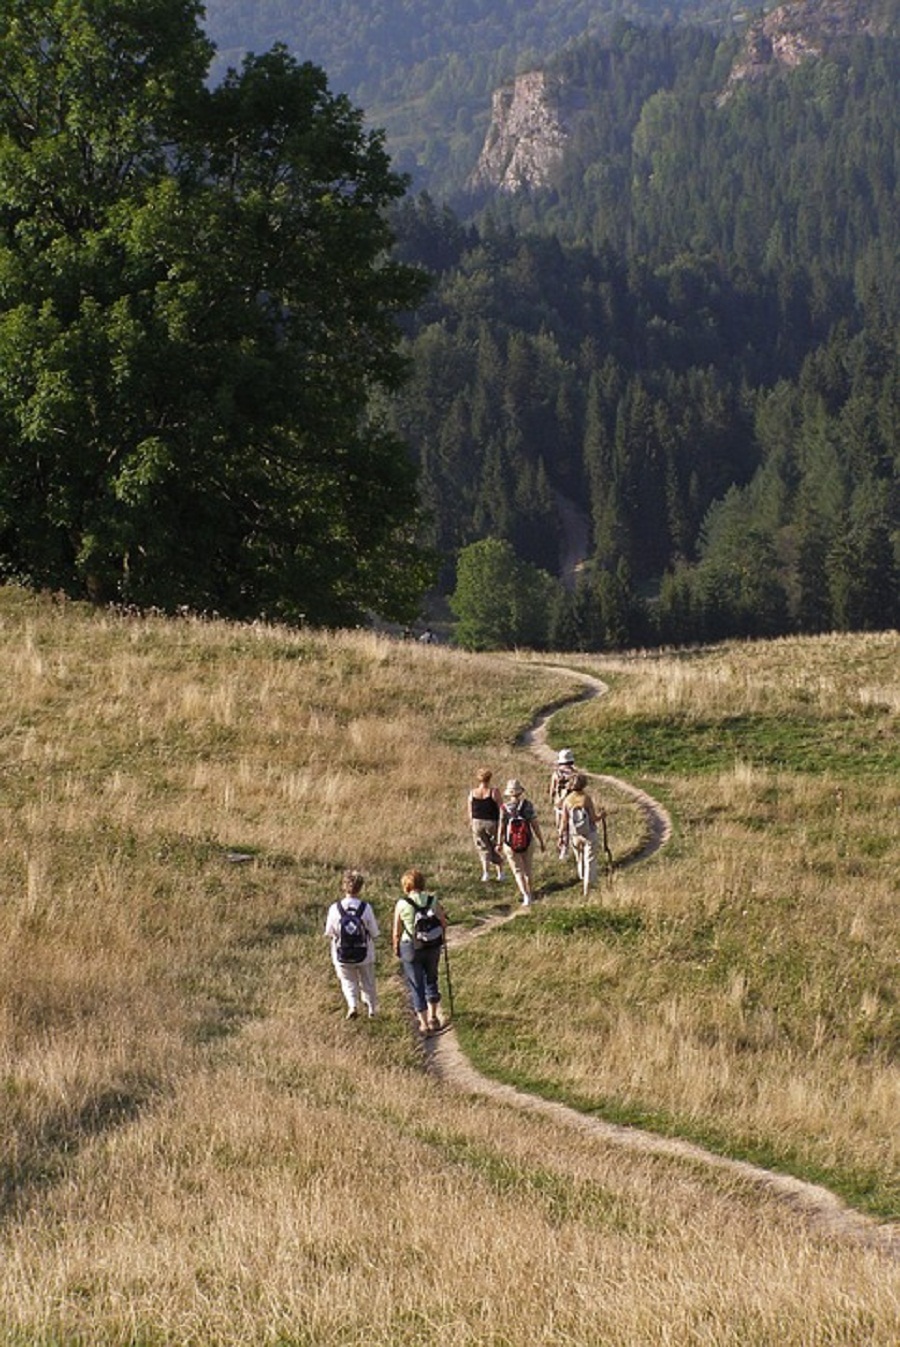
x,y
823,1210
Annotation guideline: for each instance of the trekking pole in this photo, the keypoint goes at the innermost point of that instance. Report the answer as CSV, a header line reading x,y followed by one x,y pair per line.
x,y
449,983
606,848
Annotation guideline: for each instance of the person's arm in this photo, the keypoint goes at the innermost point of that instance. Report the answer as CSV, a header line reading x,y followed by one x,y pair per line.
x,y
397,930
536,829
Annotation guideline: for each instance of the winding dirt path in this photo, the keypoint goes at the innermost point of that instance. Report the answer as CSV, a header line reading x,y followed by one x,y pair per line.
x,y
822,1209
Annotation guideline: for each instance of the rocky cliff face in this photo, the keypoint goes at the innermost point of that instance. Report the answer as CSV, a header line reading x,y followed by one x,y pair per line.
x,y
801,30
532,118
526,138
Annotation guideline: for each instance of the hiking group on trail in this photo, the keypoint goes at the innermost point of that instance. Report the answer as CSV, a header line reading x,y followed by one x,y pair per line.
x,y
505,829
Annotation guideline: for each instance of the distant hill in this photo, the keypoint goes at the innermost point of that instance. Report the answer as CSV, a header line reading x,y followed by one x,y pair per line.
x,y
426,73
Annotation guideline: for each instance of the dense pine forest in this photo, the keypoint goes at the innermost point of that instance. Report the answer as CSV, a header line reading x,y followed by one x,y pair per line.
x,y
691,338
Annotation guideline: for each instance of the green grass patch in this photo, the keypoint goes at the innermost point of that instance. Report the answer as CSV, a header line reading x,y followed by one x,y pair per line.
x,y
871,1191
862,745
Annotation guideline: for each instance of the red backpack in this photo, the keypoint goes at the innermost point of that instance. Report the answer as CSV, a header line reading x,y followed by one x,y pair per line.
x,y
518,832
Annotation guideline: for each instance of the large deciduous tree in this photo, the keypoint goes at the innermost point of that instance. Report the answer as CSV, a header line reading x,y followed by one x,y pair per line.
x,y
500,601
197,305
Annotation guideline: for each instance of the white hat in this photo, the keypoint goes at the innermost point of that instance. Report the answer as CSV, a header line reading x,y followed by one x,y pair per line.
x,y
565,755
514,787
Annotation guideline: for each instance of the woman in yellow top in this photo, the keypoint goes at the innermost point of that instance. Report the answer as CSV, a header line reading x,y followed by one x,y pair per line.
x,y
579,817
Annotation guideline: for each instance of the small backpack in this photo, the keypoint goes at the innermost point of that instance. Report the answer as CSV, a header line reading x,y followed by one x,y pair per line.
x,y
518,832
428,932
580,820
353,938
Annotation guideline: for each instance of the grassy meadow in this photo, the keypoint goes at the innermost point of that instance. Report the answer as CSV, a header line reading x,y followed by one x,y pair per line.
x,y
197,1148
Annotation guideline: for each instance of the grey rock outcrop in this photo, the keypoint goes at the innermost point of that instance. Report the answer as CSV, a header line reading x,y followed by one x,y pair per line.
x,y
798,31
526,138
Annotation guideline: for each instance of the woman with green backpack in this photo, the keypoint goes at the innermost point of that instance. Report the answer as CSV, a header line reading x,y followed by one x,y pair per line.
x,y
419,929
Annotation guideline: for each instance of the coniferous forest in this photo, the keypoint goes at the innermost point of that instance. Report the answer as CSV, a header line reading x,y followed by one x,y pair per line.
x,y
681,360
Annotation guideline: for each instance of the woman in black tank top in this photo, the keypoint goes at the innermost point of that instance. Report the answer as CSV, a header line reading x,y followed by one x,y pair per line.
x,y
483,811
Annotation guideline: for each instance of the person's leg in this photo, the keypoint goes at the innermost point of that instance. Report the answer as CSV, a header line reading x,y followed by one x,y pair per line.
x,y
347,977
431,964
483,847
589,864
525,874
514,861
415,981
367,986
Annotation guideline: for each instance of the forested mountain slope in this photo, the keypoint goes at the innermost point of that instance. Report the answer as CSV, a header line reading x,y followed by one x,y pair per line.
x,y
426,70
686,330
693,330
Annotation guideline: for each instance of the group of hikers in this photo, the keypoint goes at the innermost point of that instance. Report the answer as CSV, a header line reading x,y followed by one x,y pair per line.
x,y
505,828
417,937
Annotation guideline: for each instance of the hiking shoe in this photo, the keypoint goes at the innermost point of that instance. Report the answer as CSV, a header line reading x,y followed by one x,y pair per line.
x,y
352,1013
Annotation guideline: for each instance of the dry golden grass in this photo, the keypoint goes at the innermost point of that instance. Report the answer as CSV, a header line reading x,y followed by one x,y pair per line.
x,y
742,988
196,1148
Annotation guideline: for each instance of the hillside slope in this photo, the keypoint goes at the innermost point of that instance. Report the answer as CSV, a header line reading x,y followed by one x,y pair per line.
x,y
426,72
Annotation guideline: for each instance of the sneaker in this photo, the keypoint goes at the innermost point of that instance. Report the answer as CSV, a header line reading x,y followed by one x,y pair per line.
x,y
352,1013
526,902
485,878
499,876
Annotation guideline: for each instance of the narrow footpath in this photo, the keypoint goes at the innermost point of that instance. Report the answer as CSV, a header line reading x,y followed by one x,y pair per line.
x,y
822,1209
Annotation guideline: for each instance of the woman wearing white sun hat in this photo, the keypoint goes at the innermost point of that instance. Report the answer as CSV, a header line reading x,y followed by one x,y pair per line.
x,y
517,811
561,783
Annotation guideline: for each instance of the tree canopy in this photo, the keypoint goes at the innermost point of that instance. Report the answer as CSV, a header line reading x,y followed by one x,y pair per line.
x,y
197,306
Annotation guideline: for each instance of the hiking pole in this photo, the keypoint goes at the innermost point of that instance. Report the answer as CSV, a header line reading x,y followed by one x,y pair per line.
x,y
449,983
606,848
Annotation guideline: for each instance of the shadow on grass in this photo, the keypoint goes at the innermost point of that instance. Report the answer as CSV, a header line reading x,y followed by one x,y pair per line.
x,y
42,1160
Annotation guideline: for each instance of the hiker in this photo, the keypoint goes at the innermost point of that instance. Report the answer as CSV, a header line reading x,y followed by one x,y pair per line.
x,y
419,928
560,781
352,929
483,806
579,819
518,829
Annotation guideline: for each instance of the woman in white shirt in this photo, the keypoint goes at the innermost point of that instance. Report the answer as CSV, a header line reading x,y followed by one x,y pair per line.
x,y
352,929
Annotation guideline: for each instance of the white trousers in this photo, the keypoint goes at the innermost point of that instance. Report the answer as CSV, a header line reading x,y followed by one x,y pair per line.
x,y
358,984
585,849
